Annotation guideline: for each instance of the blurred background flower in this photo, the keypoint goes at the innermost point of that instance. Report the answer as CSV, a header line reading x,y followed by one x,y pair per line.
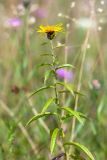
x,y
96,84
86,23
20,50
65,74
40,13
13,22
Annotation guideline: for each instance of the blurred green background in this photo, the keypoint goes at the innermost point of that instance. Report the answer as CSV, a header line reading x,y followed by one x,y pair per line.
x,y
20,54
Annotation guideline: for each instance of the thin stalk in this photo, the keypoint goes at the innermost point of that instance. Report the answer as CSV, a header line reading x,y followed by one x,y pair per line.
x,y
100,55
83,51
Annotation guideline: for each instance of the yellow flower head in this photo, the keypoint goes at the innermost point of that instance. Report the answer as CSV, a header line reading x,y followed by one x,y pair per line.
x,y
50,30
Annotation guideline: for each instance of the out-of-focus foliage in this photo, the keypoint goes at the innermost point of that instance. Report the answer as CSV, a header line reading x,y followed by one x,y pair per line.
x,y
21,48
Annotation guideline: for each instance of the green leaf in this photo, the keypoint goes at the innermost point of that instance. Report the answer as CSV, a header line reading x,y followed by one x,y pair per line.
x,y
47,104
44,43
40,89
66,117
47,75
62,133
65,65
93,128
82,147
44,64
81,94
100,107
46,54
83,116
72,112
62,91
53,139
69,87
40,115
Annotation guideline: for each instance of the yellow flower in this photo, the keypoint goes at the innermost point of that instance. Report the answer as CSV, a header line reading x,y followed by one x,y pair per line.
x,y
50,30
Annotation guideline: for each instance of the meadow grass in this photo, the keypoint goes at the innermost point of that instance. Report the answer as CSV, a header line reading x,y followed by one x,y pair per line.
x,y
22,50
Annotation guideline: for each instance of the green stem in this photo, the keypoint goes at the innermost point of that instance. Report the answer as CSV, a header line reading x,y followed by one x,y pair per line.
x,y
55,78
56,94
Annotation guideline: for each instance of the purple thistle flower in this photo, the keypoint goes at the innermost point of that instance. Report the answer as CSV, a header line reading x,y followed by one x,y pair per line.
x,y
65,74
41,13
13,22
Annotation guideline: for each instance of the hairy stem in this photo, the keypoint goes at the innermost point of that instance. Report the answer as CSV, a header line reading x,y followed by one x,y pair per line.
x,y
55,77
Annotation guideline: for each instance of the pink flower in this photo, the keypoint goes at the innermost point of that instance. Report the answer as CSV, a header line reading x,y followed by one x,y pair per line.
x,y
13,22
96,84
64,74
41,13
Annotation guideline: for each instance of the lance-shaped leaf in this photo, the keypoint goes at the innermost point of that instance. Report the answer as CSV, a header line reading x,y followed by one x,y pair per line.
x,y
100,107
62,134
46,54
44,43
48,73
79,93
69,87
83,116
47,104
67,91
64,66
72,112
40,115
40,89
82,147
44,64
53,139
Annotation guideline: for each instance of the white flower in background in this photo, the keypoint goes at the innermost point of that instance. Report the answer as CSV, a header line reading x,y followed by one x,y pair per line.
x,y
99,28
60,14
100,10
72,4
86,23
102,2
31,20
